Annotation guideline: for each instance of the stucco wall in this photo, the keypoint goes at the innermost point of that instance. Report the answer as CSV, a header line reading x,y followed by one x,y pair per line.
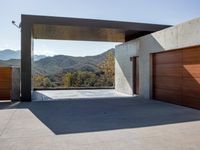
x,y
180,36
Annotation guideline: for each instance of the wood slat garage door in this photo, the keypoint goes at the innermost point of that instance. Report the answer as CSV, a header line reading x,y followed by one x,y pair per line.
x,y
5,83
176,77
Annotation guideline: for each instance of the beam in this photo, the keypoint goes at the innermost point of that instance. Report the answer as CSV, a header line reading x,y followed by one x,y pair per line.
x,y
58,32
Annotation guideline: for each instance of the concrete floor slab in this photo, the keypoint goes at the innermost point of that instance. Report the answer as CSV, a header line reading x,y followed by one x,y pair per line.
x,y
110,123
75,94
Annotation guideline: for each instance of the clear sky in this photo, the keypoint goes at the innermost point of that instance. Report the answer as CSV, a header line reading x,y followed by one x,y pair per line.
x,y
148,11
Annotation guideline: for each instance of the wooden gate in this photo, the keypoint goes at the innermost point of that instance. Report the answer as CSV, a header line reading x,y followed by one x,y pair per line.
x,y
5,83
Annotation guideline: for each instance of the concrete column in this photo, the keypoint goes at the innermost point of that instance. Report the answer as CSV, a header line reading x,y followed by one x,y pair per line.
x,y
26,59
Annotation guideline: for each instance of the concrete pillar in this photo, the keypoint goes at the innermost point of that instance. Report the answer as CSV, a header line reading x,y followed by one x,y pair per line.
x,y
26,59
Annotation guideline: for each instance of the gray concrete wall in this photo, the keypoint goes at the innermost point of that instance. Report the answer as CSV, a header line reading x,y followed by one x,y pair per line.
x,y
15,96
123,66
184,35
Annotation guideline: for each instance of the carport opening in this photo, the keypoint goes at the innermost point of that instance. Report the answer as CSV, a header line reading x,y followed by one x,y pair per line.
x,y
73,69
60,28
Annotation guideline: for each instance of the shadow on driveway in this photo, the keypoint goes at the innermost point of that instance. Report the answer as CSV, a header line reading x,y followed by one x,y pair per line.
x,y
88,115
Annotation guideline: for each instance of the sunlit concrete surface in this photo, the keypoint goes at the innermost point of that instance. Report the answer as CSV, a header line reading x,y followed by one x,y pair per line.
x,y
98,124
74,94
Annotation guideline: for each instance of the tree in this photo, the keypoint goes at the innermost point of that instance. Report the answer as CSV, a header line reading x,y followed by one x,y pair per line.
x,y
108,68
84,79
90,79
46,82
67,80
41,81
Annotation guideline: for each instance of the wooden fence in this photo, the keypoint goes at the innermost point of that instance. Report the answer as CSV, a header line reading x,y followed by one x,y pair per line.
x,y
5,83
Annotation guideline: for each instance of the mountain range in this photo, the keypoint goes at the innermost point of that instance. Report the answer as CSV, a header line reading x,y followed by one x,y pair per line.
x,y
8,54
51,66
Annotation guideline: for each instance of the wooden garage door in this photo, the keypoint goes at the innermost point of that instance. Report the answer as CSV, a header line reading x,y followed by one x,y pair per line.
x,y
5,83
176,77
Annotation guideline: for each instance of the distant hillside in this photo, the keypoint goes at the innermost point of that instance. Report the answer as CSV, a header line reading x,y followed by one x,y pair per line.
x,y
53,65
11,62
38,57
8,54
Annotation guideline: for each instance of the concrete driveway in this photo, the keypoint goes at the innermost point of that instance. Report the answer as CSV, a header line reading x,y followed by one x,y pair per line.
x,y
98,124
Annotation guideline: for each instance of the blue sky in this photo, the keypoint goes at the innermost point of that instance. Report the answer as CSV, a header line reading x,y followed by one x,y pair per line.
x,y
154,11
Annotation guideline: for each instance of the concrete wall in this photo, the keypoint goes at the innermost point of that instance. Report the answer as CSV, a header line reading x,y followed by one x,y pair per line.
x,y
180,36
15,84
123,66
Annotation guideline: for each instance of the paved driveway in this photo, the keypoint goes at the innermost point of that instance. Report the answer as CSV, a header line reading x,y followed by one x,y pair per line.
x,y
98,124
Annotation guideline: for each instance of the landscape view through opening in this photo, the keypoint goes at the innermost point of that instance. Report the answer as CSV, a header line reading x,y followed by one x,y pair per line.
x,y
81,64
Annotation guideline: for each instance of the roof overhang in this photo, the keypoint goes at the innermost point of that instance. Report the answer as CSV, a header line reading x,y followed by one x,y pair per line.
x,y
61,28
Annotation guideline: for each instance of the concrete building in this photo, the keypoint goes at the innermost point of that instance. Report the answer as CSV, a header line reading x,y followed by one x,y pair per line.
x,y
59,28
168,65
155,61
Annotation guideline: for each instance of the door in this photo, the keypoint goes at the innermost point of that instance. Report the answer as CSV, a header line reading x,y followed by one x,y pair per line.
x,y
176,77
135,62
191,77
5,83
